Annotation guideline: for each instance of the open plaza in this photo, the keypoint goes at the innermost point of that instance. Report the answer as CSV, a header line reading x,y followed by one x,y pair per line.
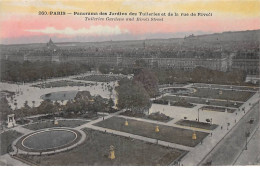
x,y
185,124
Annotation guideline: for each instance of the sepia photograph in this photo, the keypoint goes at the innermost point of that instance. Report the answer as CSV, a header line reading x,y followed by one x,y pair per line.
x,y
129,83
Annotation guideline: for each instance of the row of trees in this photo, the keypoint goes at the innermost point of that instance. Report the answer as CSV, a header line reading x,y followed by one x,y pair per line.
x,y
170,75
200,75
82,103
105,69
32,71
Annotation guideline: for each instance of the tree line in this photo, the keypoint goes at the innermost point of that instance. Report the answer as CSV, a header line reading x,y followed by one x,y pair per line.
x,y
31,71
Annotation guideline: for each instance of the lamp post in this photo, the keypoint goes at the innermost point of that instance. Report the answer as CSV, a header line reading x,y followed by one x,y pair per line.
x,y
247,134
198,115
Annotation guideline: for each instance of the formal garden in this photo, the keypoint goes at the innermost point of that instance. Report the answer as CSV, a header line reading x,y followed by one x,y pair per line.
x,y
49,124
212,102
7,138
197,124
233,95
51,139
177,90
166,133
181,102
96,148
218,109
101,78
230,87
62,83
62,95
156,116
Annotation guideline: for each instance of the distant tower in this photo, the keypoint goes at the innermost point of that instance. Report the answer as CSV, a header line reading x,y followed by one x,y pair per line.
x,y
53,48
144,47
51,45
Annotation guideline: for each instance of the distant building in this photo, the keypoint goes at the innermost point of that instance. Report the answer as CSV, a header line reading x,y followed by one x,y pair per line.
x,y
188,63
248,61
50,45
50,52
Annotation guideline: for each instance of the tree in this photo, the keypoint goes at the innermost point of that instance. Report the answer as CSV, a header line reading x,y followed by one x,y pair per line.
x,y
71,107
148,80
104,69
140,63
26,104
15,105
133,96
83,95
46,107
5,109
110,103
98,104
33,102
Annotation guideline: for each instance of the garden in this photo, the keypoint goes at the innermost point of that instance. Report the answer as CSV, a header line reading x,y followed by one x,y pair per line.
x,y
241,96
6,139
62,83
157,116
167,133
95,151
180,102
218,109
49,124
197,124
101,78
247,88
230,104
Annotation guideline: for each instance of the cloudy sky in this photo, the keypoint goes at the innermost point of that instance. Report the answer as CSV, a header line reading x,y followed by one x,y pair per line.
x,y
20,22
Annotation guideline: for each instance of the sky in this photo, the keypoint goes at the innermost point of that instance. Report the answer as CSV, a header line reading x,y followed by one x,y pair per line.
x,y
20,21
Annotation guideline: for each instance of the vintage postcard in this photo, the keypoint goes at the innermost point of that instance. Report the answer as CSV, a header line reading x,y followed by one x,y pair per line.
x,y
129,82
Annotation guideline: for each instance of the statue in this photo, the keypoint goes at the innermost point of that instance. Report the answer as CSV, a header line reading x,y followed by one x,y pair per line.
x,y
11,121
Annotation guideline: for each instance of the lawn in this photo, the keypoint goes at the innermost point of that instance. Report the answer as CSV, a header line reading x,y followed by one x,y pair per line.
x,y
157,116
248,88
50,124
203,101
177,103
94,152
218,109
167,133
100,78
226,94
61,83
196,124
6,140
61,95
